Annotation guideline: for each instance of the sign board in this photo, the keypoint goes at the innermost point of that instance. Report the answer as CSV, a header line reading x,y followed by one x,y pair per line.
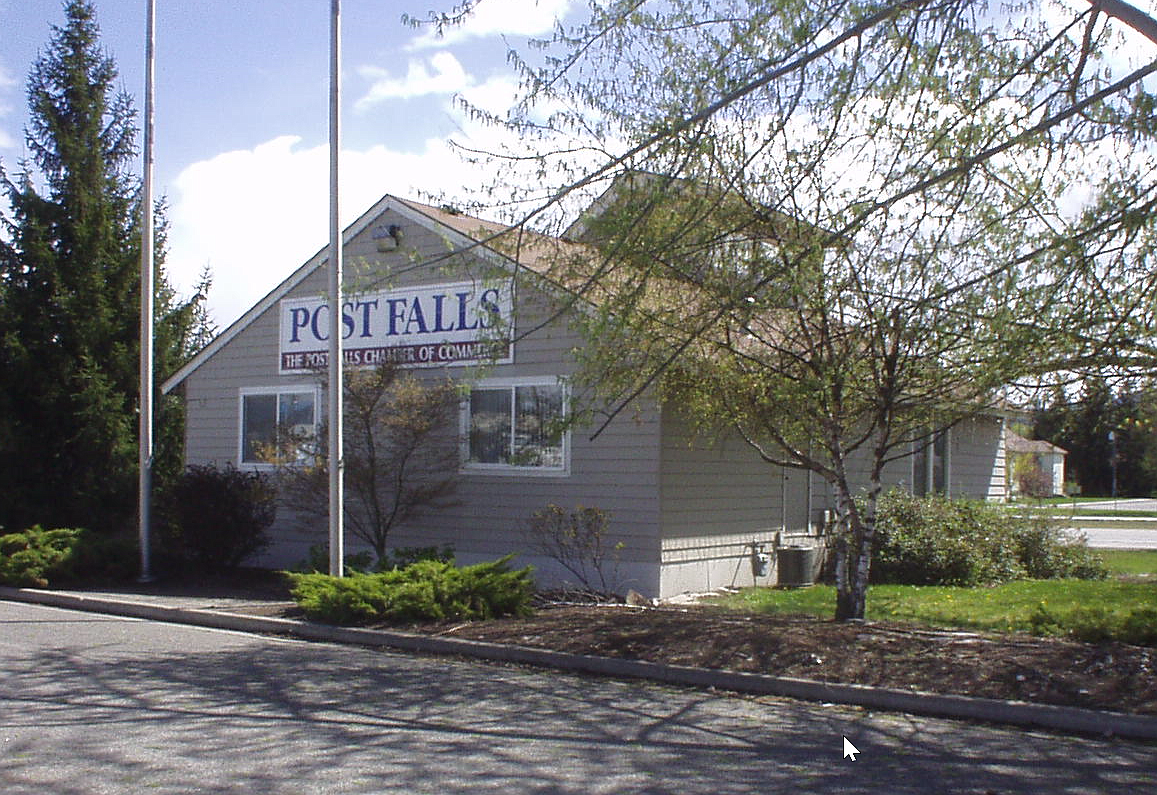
x,y
444,324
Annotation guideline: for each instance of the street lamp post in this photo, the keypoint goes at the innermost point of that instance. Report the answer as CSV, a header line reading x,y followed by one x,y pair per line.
x,y
1113,458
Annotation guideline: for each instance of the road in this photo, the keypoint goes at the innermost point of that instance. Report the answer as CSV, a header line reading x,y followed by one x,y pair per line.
x,y
1099,536
1118,504
101,704
1113,538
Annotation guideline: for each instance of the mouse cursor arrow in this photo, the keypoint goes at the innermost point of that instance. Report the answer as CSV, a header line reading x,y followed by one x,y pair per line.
x,y
850,750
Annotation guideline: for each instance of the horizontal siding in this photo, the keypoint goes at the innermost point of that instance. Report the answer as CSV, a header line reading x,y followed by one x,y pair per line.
x,y
617,472
718,498
975,468
715,487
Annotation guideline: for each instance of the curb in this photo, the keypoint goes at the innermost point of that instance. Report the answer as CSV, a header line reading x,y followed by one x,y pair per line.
x,y
1017,713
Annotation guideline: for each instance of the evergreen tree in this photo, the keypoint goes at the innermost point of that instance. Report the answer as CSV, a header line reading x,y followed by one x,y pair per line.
x,y
1137,441
1087,433
1083,427
69,297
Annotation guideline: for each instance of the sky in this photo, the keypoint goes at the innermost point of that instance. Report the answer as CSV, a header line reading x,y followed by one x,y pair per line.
x,y
242,115
242,98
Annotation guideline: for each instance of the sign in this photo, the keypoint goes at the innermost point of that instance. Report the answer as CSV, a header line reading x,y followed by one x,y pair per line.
x,y
445,324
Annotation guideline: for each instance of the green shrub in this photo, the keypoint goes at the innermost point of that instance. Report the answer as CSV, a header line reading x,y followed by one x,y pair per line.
x,y
1097,624
100,557
428,590
317,562
362,562
401,557
1047,553
37,557
935,540
213,518
28,559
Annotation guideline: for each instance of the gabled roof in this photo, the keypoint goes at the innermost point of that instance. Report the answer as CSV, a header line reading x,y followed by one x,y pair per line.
x,y
1018,444
635,188
486,238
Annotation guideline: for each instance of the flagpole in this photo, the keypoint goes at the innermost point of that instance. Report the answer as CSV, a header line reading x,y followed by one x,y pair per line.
x,y
336,461
145,459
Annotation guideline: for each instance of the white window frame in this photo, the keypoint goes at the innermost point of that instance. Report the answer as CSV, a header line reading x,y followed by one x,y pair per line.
x,y
281,389
468,467
927,446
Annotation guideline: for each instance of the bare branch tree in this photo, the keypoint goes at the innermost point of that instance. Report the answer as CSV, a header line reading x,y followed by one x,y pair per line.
x,y
399,459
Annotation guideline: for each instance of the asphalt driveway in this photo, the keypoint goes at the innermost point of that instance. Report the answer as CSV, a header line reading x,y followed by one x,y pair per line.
x,y
100,704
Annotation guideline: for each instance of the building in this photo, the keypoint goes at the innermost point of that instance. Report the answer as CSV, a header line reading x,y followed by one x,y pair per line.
x,y
1035,464
433,292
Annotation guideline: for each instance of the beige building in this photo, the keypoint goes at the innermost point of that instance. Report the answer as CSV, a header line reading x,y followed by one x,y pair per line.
x,y
429,291
1028,457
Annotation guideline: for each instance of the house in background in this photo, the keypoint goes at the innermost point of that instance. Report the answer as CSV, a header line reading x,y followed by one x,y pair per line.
x,y
428,289
1036,467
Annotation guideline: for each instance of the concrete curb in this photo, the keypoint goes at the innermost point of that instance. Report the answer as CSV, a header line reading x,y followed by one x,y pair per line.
x,y
1066,719
1082,522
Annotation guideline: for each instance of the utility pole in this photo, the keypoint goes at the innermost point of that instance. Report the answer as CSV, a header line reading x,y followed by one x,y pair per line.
x,y
145,457
336,461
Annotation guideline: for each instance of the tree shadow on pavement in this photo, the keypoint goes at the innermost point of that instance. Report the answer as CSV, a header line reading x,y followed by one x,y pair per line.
x,y
238,713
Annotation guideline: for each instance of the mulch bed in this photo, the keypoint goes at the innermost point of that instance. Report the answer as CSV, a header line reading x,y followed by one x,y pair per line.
x,y
1018,667
1110,676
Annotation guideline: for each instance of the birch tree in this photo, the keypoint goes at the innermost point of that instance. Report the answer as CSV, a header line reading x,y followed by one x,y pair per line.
x,y
838,229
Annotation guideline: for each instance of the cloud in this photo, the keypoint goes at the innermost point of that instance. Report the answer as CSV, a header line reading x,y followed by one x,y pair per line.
x,y
1126,50
447,77
496,95
7,83
497,18
255,215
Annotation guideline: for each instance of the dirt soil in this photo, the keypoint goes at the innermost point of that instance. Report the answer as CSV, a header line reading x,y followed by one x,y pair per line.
x,y
1019,667
1111,676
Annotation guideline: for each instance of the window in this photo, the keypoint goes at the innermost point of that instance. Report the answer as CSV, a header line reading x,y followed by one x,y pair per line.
x,y
516,426
930,466
270,416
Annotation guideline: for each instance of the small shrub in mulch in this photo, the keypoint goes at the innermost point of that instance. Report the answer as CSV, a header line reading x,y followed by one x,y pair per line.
x,y
428,590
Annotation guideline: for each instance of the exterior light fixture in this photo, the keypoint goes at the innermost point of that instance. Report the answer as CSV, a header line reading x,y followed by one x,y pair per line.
x,y
388,237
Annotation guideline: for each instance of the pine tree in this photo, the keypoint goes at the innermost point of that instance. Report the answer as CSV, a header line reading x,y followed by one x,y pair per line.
x,y
69,292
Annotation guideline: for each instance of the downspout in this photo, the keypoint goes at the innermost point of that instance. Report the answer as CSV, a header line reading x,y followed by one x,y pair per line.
x,y
783,499
808,499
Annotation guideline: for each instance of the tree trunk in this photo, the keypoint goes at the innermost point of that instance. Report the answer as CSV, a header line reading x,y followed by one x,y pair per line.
x,y
854,554
851,579
851,601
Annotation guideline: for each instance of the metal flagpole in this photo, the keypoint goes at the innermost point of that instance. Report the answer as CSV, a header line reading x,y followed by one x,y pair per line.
x,y
336,461
145,459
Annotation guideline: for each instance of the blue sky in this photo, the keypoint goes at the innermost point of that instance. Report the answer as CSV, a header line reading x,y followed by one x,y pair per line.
x,y
242,115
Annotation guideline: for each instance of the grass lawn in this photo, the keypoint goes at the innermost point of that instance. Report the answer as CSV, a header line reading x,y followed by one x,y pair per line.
x,y
1067,509
1042,606
1092,506
1130,562
1078,502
